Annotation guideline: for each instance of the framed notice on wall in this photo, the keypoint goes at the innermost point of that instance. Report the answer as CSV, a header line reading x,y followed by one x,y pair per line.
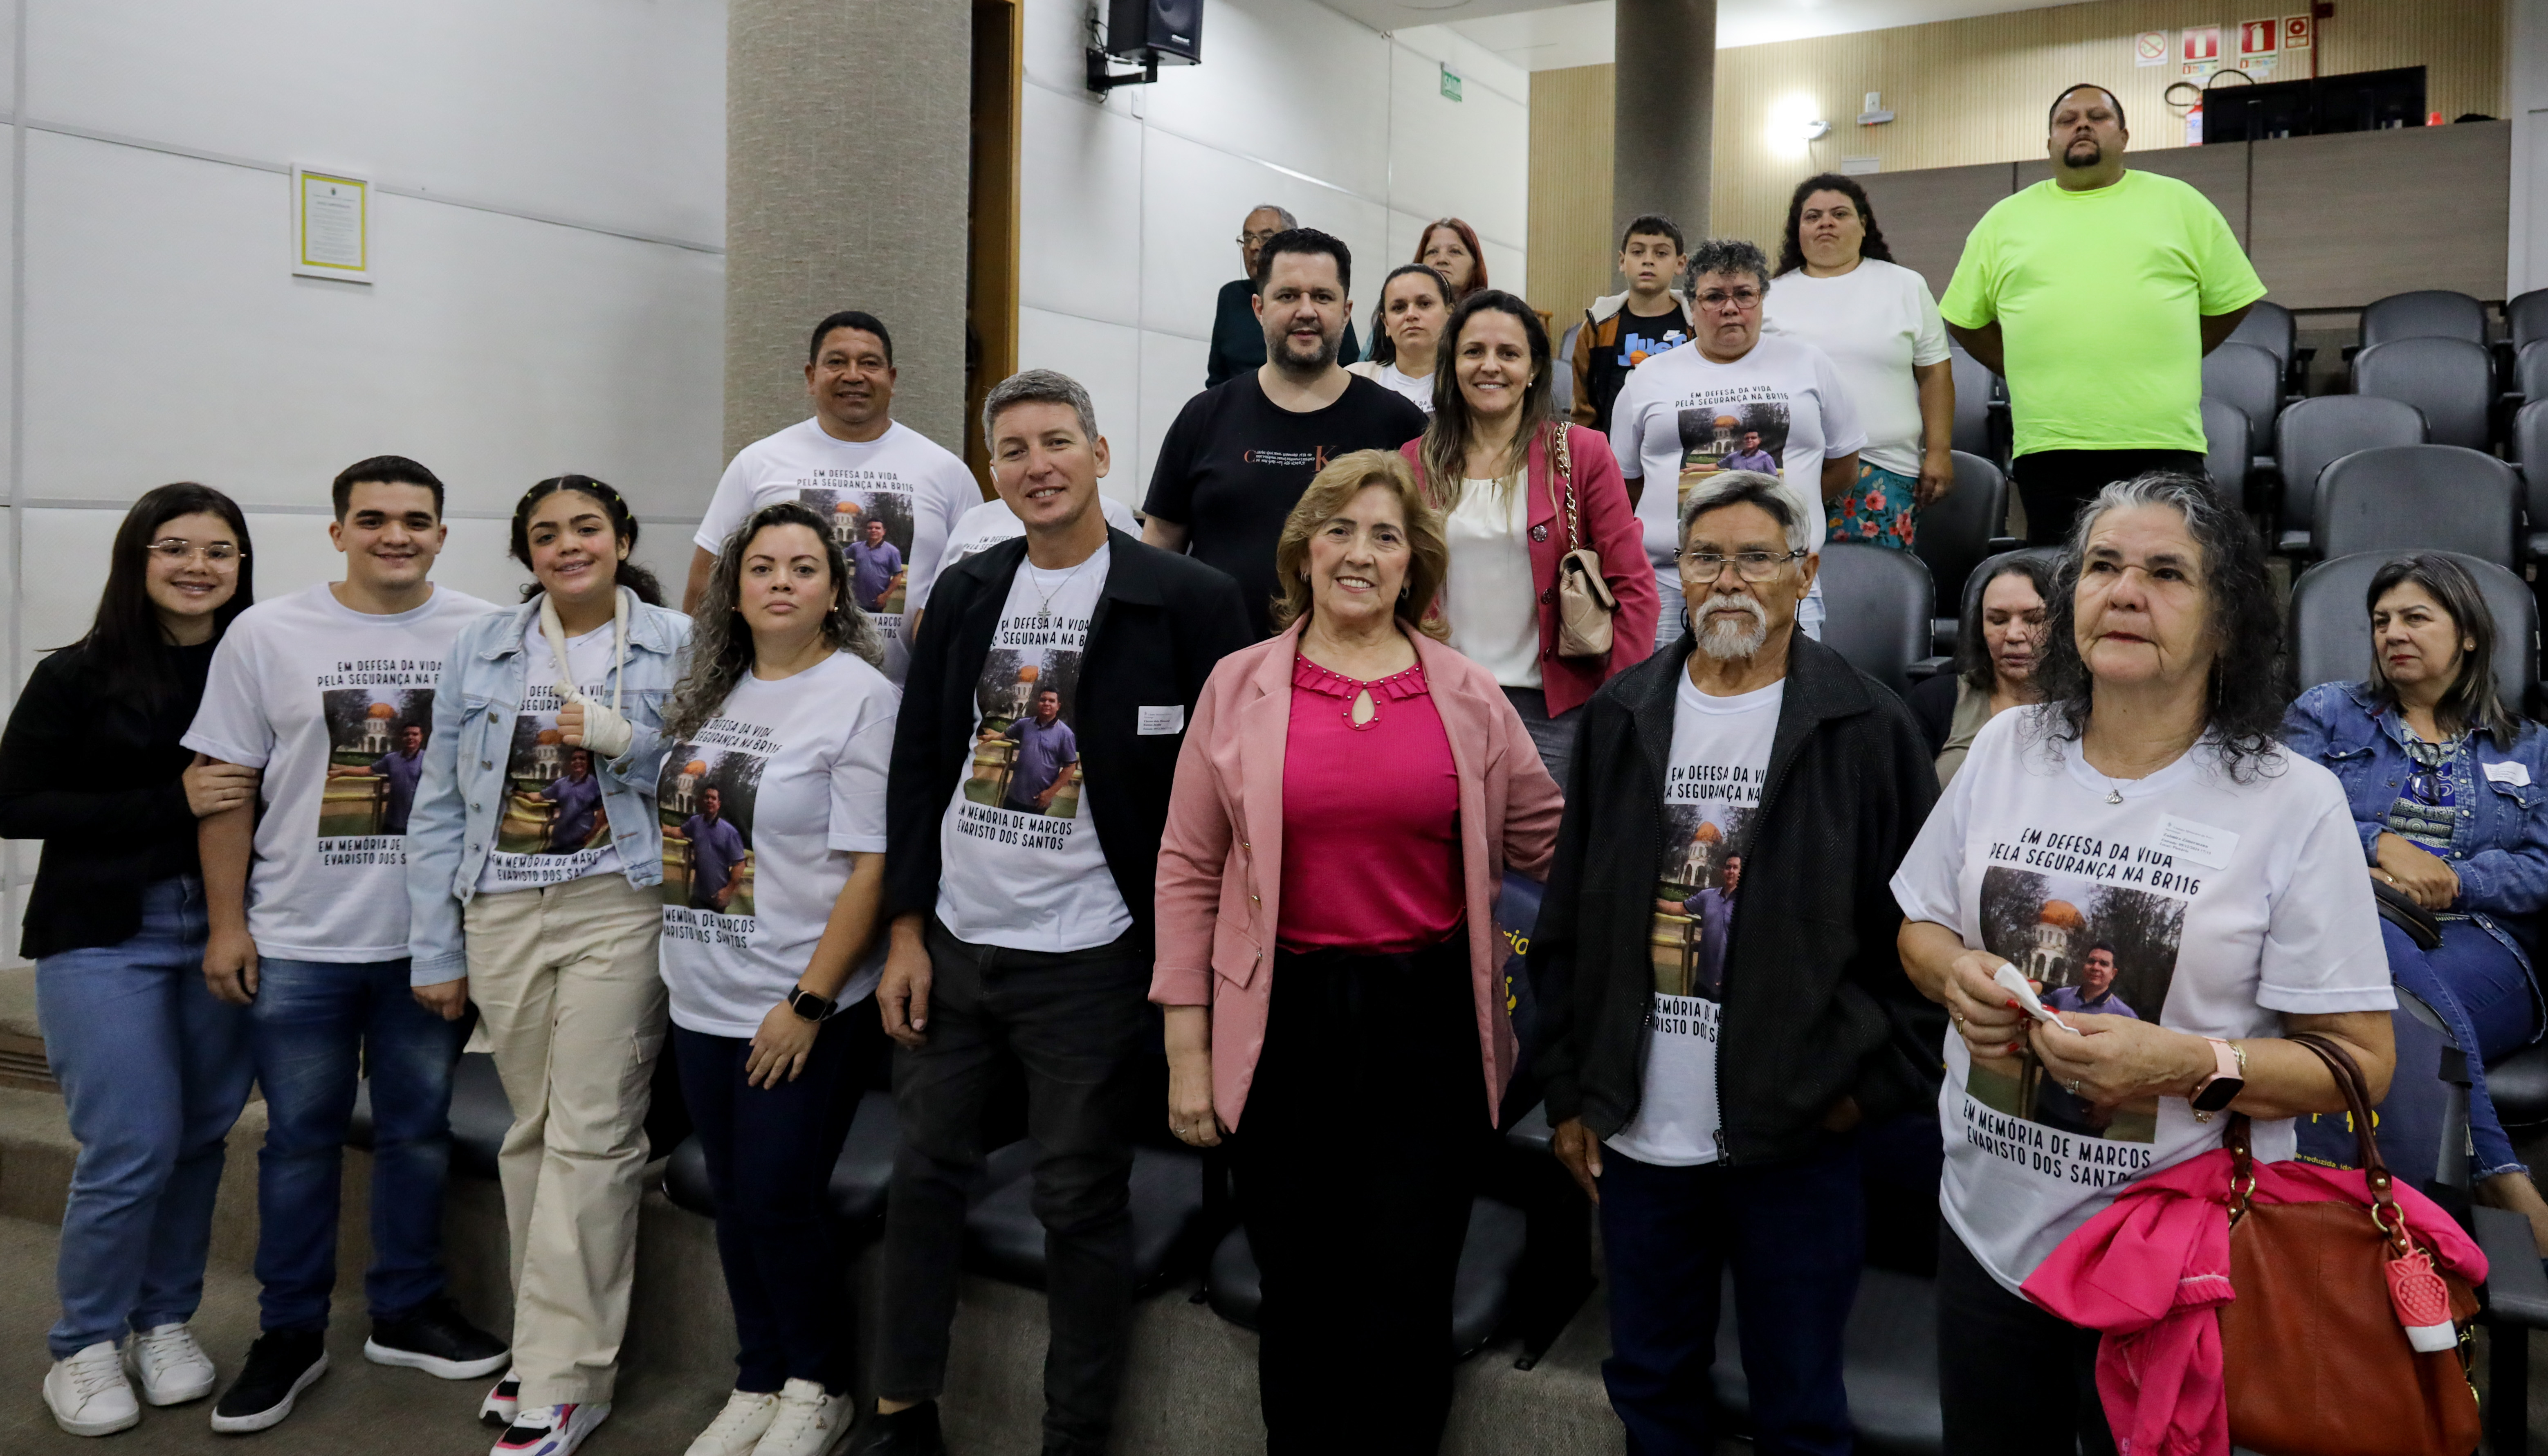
x,y
331,225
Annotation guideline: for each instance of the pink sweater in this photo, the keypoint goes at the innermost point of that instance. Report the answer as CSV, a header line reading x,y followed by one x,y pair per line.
x,y
1221,864
2150,1271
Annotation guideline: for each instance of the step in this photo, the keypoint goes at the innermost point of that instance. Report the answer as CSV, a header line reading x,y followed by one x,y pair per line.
x,y
22,1045
1190,1385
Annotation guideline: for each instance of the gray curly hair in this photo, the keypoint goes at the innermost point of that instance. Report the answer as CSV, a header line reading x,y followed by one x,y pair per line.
x,y
1728,255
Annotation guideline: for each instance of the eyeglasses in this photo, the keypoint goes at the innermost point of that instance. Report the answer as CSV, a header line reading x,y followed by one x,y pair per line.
x,y
1258,239
177,548
1746,299
1752,566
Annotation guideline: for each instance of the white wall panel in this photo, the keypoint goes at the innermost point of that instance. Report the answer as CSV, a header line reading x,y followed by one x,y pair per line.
x,y
1106,358
1288,81
610,112
496,350
1080,188
1173,368
1468,158
1195,199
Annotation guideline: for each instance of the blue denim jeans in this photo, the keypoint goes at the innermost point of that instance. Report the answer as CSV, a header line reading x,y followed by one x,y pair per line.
x,y
1794,1235
154,1071
311,1019
2480,989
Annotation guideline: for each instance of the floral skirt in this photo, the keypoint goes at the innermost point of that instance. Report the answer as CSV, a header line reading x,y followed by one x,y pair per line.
x,y
1879,511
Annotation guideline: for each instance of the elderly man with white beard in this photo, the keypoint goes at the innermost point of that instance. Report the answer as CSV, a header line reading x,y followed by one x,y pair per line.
x,y
1716,1119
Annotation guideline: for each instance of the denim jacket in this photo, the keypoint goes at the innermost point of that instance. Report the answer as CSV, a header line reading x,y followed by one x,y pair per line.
x,y
2500,840
460,799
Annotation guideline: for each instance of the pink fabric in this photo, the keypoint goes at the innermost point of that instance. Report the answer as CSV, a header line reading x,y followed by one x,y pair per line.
x,y
1371,815
1219,898
1610,527
2152,1270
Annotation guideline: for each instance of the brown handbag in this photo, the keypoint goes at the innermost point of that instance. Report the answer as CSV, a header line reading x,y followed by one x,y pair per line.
x,y
1584,603
2315,1360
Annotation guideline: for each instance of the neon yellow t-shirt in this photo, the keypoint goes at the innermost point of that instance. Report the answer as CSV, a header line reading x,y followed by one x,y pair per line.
x,y
2099,297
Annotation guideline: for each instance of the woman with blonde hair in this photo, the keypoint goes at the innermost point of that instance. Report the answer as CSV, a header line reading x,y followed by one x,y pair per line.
x,y
1351,966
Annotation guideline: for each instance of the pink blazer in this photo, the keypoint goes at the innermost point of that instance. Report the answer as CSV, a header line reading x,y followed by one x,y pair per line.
x,y
1610,527
1220,897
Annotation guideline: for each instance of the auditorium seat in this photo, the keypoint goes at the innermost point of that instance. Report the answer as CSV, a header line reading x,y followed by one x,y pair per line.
x,y
2530,371
1481,1294
1968,601
2419,498
1004,1239
2270,326
1877,609
2225,457
860,1177
2332,627
1976,390
2450,380
2526,317
480,1115
2249,378
1958,530
2432,313
2316,432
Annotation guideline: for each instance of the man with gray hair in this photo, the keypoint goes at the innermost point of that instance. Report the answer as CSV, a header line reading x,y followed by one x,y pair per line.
x,y
1019,897
1734,400
1237,341
1720,1003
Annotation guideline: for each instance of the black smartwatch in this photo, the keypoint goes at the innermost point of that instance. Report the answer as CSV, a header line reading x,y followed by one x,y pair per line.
x,y
807,1005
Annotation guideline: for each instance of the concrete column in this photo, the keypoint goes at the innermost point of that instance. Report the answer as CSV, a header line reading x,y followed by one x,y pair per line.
x,y
847,152
1664,113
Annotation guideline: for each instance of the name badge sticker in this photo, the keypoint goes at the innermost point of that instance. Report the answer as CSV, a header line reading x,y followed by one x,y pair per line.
x,y
2517,775
2203,843
1152,722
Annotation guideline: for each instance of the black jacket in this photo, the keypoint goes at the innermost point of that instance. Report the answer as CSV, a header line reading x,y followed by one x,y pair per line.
x,y
1816,1004
92,769
1162,622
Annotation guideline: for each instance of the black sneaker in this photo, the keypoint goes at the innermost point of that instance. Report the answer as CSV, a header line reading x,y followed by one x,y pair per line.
x,y
280,1366
435,1339
908,1433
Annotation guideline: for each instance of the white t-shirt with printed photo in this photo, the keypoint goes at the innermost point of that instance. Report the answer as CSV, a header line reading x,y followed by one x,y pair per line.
x,y
901,479
1720,761
554,826
335,706
1780,408
2210,906
1877,323
762,811
992,521
1021,865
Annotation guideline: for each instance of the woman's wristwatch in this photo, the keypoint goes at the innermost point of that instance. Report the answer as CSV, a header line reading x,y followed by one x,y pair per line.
x,y
2227,1078
807,1005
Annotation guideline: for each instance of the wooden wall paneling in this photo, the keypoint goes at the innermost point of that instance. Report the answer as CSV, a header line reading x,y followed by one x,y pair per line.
x,y
2343,220
1927,214
1572,251
991,262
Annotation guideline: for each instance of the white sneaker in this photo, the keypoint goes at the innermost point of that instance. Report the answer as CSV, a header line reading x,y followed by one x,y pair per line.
x,y
551,1430
808,1422
89,1394
738,1427
171,1366
504,1401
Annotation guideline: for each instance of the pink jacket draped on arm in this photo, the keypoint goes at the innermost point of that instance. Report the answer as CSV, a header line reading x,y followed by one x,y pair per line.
x,y
1220,866
1610,527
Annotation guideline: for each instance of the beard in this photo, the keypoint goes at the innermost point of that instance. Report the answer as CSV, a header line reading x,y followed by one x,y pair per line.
x,y
2070,156
1726,640
1285,357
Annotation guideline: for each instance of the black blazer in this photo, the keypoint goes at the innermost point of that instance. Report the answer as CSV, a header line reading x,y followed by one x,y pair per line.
x,y
1162,622
92,769
1816,1005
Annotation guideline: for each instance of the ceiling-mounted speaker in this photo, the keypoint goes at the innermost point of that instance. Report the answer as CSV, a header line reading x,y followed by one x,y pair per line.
x,y
1167,32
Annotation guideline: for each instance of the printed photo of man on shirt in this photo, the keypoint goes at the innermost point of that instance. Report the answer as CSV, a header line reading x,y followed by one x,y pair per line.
x,y
375,736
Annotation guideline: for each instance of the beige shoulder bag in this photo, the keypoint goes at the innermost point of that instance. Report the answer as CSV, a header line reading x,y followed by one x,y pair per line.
x,y
1585,605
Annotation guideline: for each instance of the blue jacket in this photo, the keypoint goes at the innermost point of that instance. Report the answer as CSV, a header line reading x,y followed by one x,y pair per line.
x,y
461,798
2499,843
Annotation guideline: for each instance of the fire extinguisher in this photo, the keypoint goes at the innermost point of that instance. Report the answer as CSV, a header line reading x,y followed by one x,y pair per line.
x,y
2194,125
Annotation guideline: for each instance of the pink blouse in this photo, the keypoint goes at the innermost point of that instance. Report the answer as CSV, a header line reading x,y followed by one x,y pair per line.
x,y
1371,817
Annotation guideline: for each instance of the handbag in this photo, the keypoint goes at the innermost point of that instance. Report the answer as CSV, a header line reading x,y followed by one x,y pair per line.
x,y
2417,921
2315,1358
1584,603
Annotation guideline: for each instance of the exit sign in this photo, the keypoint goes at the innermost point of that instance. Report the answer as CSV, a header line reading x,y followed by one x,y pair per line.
x,y
1450,84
